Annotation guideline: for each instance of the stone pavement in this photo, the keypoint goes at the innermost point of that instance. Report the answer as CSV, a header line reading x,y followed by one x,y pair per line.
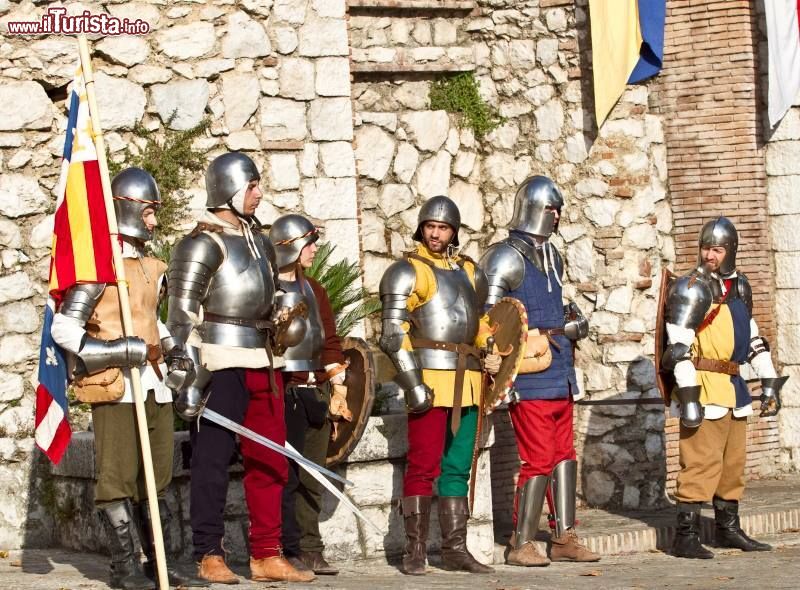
x,y
62,570
770,510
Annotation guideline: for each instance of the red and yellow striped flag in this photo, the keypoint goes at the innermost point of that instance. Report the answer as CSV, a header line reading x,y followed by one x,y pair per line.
x,y
81,251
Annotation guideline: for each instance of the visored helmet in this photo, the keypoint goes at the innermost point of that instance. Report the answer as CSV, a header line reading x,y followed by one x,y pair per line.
x,y
289,234
441,209
720,232
226,176
133,190
533,207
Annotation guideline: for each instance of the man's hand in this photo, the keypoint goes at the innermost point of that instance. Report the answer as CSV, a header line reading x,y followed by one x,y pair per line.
x,y
491,363
180,369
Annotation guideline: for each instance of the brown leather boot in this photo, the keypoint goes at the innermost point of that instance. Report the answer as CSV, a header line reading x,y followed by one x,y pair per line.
x,y
568,547
526,555
213,569
277,569
453,516
315,561
416,512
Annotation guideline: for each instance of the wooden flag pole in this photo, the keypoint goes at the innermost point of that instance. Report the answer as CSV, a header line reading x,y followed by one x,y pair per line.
x,y
127,321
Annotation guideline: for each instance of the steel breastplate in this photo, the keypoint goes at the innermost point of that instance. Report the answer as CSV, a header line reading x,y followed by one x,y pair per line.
x,y
242,288
450,316
306,356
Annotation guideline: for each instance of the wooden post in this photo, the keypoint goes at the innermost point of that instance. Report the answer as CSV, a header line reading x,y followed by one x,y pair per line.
x,y
127,321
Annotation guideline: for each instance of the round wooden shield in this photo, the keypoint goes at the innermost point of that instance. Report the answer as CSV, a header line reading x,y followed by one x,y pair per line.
x,y
509,320
360,382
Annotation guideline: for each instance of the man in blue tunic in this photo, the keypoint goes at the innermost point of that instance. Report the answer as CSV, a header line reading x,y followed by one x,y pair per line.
x,y
527,267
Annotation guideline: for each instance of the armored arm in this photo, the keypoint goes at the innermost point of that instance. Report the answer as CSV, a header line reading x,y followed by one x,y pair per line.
x,y
192,265
504,268
761,361
92,355
396,285
688,300
576,326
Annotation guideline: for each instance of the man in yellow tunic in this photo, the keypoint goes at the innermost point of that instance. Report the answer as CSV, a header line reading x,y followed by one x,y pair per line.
x,y
433,332
710,334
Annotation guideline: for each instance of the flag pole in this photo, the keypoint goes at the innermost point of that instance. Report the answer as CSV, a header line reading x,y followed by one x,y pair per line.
x,y
127,321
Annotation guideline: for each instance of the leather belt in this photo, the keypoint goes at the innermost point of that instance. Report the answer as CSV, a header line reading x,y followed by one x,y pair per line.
x,y
552,331
716,366
463,351
260,325
263,325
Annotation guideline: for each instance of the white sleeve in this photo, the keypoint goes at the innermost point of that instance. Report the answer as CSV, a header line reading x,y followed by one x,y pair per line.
x,y
67,332
762,362
685,373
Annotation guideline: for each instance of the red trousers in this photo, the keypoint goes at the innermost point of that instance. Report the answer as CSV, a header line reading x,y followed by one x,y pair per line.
x,y
426,438
244,396
543,429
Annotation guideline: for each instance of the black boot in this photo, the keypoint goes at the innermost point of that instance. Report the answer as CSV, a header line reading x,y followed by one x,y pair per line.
x,y
126,569
416,516
687,534
728,531
453,516
178,574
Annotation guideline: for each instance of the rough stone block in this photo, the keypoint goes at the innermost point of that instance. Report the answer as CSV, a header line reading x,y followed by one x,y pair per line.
x,y
244,37
331,119
183,42
187,99
783,158
373,151
21,195
25,105
782,195
330,198
282,119
385,437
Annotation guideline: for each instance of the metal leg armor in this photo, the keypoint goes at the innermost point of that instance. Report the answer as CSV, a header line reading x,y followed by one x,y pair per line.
x,y
562,486
529,509
565,544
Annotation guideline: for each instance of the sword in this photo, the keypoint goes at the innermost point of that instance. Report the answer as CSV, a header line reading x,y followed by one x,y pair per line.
x,y
287,451
314,470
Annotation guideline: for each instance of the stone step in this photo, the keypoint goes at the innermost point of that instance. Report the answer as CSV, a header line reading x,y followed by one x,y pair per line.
x,y
659,538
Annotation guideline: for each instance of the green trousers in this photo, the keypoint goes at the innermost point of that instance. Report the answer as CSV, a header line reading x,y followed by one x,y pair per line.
x,y
457,458
118,457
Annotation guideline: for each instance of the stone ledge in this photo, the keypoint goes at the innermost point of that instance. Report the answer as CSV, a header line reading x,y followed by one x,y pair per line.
x,y
282,146
399,68
427,5
659,538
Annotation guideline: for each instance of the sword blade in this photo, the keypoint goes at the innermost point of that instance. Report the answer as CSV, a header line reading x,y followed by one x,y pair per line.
x,y
286,451
339,495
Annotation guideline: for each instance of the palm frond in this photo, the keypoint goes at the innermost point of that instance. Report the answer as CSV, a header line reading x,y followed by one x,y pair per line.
x,y
350,304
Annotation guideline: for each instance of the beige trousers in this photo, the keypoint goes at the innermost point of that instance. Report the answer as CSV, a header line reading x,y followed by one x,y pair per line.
x,y
712,459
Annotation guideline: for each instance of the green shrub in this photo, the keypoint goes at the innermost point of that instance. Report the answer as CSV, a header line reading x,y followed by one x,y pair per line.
x,y
459,94
339,279
172,162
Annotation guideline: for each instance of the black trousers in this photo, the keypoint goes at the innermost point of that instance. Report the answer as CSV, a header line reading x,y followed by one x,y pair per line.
x,y
308,431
